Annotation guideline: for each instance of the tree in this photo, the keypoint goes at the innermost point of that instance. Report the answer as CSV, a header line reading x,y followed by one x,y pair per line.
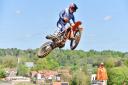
x,y
2,73
46,63
9,61
22,70
118,75
80,78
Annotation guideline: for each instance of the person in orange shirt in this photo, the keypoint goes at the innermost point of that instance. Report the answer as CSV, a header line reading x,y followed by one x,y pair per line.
x,y
102,74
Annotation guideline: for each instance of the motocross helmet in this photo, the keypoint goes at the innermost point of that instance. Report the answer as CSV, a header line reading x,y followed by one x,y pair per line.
x,y
73,6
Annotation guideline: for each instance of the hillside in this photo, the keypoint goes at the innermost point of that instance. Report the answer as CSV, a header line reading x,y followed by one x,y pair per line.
x,y
78,62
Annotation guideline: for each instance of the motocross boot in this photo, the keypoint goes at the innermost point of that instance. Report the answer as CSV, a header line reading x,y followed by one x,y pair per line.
x,y
50,37
53,37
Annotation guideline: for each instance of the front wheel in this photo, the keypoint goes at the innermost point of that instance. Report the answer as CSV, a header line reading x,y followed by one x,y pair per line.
x,y
75,42
44,50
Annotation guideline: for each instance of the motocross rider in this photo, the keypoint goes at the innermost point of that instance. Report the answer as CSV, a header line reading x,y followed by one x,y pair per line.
x,y
64,17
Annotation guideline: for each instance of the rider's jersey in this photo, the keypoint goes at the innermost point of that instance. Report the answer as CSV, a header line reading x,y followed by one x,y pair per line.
x,y
67,14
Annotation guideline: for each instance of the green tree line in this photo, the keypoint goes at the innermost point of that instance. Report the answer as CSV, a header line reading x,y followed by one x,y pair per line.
x,y
77,61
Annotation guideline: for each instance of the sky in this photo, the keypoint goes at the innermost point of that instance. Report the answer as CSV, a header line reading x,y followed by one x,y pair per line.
x,y
25,23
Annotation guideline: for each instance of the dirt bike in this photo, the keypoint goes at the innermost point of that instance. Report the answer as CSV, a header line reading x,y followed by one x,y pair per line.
x,y
60,39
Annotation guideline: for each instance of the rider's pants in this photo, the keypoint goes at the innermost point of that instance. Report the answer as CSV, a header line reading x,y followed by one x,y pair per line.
x,y
60,28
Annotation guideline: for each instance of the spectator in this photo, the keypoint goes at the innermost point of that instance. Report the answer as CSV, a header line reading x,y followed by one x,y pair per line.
x,y
102,74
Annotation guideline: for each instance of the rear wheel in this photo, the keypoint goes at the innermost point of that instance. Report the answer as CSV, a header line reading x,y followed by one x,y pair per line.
x,y
44,50
75,42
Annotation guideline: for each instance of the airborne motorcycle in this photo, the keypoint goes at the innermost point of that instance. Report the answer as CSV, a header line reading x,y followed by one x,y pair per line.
x,y
60,39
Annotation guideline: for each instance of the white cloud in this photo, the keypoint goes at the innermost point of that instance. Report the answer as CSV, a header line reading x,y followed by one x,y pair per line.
x,y
18,12
108,18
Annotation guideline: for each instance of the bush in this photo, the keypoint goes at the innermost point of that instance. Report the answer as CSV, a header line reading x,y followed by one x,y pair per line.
x,y
118,75
80,78
110,62
2,74
126,62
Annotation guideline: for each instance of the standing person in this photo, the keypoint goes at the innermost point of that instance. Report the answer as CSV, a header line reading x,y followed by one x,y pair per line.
x,y
64,17
102,74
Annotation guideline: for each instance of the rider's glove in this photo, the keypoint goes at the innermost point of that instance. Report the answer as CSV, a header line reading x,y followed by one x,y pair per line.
x,y
66,19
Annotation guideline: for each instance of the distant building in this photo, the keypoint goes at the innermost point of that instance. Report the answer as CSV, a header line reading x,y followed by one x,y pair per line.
x,y
64,83
60,83
18,78
29,64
